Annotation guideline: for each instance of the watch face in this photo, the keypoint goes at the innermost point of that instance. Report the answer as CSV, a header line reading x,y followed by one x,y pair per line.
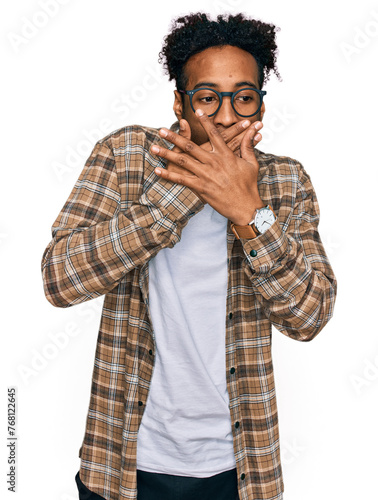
x,y
264,219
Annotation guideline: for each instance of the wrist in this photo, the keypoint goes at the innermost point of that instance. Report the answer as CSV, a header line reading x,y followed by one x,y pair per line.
x,y
245,215
263,218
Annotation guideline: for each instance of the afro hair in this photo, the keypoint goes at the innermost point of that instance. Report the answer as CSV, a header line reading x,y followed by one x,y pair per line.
x,y
196,32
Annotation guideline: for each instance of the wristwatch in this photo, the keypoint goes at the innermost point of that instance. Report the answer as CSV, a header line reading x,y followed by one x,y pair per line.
x,y
262,219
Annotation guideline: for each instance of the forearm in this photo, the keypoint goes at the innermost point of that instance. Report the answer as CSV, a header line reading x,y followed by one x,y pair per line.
x,y
90,262
95,244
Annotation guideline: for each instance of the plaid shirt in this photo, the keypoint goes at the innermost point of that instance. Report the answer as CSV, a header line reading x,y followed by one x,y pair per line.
x,y
118,216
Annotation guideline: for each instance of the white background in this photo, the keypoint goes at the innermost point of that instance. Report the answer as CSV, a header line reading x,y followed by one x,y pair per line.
x,y
71,76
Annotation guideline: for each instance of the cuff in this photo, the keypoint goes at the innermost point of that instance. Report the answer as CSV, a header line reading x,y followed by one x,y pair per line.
x,y
266,251
179,201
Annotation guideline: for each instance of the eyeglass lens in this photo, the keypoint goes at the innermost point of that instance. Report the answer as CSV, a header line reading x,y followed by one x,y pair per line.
x,y
246,102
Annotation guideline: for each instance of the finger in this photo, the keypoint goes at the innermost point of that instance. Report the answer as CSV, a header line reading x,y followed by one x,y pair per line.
x,y
212,132
235,142
185,145
257,139
185,129
237,130
250,140
180,159
190,181
247,144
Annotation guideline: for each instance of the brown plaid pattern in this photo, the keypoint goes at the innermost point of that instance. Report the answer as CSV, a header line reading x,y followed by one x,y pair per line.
x,y
117,217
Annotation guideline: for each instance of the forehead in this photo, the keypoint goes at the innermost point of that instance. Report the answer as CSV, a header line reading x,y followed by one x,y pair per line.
x,y
223,66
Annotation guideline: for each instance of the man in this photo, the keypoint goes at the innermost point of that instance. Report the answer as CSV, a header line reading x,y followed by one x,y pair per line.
x,y
199,249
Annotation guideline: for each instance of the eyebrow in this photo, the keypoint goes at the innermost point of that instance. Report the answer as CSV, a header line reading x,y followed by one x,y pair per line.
x,y
239,84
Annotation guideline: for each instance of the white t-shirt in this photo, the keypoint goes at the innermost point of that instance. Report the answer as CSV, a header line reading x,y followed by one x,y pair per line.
x,y
186,426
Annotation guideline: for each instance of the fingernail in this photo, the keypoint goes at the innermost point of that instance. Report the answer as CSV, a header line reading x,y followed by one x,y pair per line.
x,y
199,112
257,137
155,149
246,124
258,125
182,126
163,132
157,171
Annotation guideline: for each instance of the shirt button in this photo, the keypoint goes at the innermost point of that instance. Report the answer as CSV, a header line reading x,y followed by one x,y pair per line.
x,y
232,371
237,425
150,352
230,316
242,477
140,403
253,253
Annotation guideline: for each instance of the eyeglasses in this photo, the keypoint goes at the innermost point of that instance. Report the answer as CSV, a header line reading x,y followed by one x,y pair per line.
x,y
245,102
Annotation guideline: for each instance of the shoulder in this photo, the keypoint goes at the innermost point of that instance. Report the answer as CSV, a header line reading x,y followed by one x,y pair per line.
x,y
284,180
282,168
281,164
130,136
129,149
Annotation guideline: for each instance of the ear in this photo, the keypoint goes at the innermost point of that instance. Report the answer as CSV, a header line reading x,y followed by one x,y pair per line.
x,y
178,104
262,111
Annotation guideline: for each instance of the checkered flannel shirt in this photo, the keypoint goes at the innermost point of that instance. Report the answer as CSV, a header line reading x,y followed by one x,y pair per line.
x,y
117,217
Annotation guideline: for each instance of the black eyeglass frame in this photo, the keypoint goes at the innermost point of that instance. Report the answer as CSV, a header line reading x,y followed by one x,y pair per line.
x,y
191,93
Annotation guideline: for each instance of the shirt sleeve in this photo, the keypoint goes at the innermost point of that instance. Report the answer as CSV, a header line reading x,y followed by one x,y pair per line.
x,y
290,271
95,243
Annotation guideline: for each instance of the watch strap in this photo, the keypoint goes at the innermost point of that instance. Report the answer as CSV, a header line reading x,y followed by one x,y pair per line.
x,y
246,232
249,231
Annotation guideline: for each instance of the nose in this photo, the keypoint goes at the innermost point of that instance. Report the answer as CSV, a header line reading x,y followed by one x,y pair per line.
x,y
226,115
